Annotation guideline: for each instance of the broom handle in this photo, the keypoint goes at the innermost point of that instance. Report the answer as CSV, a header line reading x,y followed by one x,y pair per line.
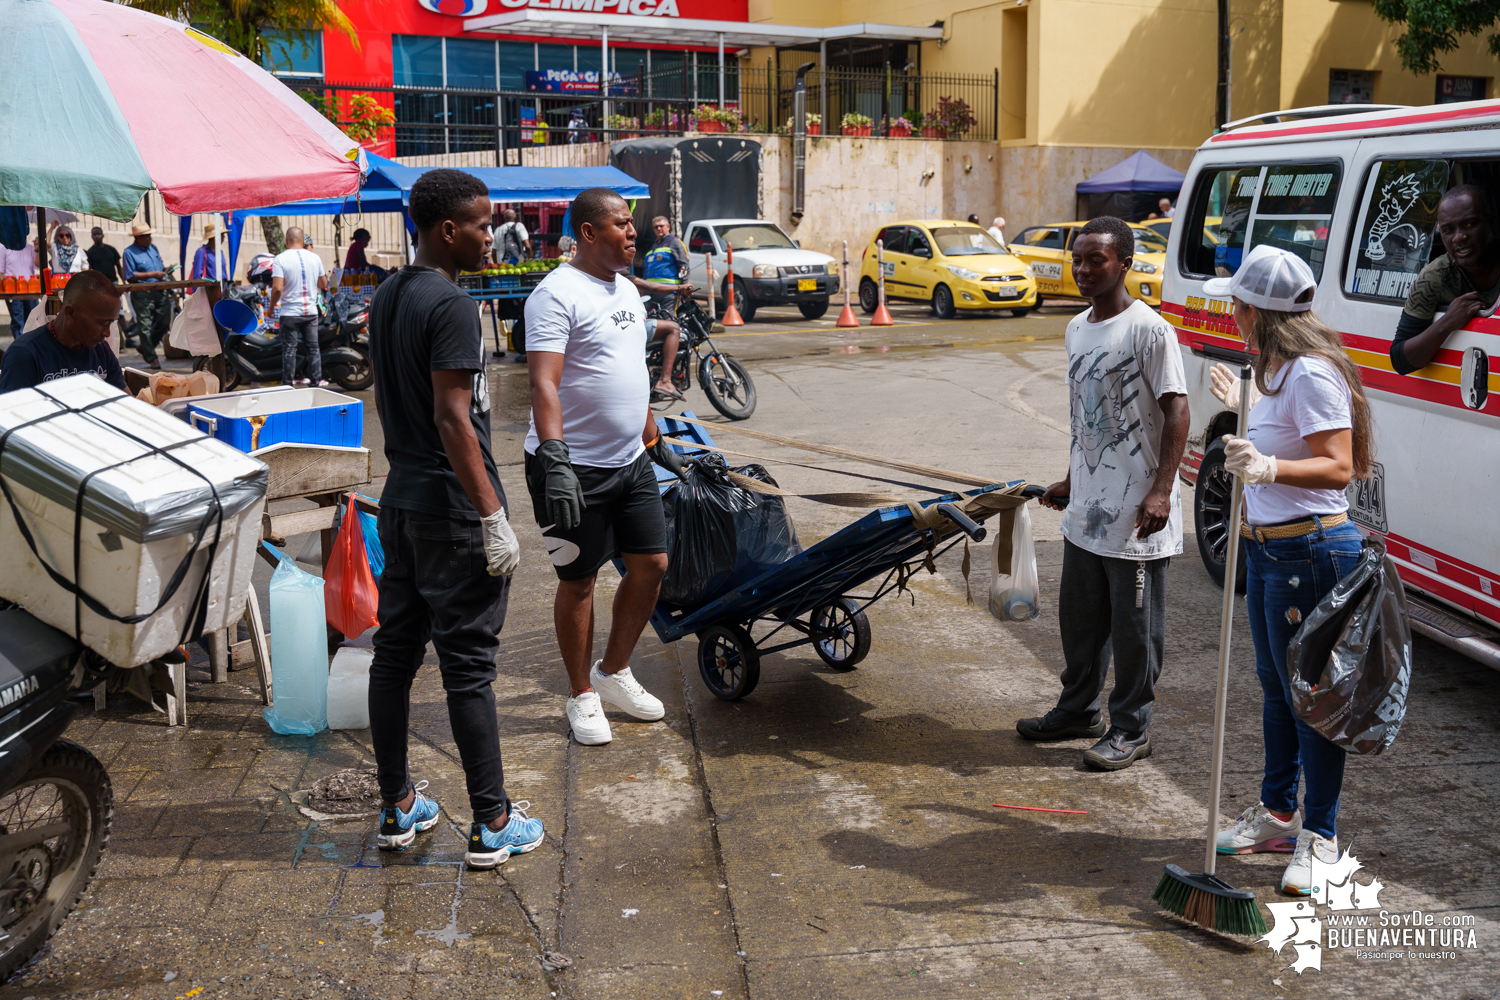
x,y
1226,630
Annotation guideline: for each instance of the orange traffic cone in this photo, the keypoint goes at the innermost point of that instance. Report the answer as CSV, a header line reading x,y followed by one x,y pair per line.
x,y
847,317
731,314
882,315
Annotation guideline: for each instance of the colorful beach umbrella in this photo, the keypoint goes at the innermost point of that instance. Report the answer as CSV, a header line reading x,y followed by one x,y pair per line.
x,y
101,101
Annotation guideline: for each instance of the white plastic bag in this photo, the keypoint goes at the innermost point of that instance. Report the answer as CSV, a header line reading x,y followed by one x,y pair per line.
x,y
1013,579
349,689
193,330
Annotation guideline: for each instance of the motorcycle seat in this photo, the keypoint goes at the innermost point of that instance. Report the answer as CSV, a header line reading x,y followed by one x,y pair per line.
x,y
261,340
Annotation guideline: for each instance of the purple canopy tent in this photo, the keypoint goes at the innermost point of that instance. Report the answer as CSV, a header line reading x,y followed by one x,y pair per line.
x,y
1130,189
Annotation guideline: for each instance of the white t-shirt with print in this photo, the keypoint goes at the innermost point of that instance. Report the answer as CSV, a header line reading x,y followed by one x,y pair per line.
x,y
299,271
1307,396
599,327
1117,370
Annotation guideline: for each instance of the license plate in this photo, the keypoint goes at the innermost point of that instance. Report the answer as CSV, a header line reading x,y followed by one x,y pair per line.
x,y
1367,499
1052,271
888,268
1007,291
807,284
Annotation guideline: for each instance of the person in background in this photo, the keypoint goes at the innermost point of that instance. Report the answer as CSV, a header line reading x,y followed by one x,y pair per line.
x,y
666,269
73,343
1127,396
354,259
67,257
102,257
296,279
1165,209
20,264
1308,435
578,127
142,265
513,239
449,547
1462,282
997,230
973,219
205,260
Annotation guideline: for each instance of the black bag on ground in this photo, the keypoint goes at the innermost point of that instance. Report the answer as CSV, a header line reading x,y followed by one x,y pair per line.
x,y
720,535
1350,663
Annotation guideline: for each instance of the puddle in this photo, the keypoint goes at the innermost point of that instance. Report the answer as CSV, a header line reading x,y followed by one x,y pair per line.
x,y
377,921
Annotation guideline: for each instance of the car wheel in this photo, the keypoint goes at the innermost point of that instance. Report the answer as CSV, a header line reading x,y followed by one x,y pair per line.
x,y
869,296
942,303
1021,313
1211,518
813,310
742,302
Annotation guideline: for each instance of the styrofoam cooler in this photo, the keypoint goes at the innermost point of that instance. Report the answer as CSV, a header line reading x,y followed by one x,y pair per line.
x,y
141,516
250,422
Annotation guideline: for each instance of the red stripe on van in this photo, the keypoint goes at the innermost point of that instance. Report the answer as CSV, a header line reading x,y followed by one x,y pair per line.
x,y
1394,119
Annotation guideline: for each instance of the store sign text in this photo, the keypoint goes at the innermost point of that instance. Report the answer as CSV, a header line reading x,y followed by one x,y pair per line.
x,y
640,8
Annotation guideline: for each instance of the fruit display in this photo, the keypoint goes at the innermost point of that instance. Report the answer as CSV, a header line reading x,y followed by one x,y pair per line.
x,y
525,267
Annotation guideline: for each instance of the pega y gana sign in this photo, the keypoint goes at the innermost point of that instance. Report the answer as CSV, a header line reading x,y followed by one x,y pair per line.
x,y
474,8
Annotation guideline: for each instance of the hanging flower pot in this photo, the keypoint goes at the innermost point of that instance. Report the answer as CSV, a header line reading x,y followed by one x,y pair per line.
x,y
857,130
933,132
900,132
814,129
707,126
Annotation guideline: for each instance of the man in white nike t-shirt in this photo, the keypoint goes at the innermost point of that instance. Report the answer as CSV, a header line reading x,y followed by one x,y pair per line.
x,y
587,467
297,277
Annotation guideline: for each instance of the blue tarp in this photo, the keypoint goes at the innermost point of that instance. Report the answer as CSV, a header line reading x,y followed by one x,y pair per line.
x,y
1140,171
389,185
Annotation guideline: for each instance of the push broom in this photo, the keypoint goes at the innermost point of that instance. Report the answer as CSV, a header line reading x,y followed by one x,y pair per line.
x,y
1204,898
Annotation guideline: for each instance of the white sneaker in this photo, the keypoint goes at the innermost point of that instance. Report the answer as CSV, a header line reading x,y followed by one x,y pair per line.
x,y
1257,831
586,716
1297,879
624,692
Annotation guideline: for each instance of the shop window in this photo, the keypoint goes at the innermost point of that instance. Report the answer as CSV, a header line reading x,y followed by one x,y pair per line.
x,y
1454,89
550,56
516,58
1395,237
417,61
292,53
471,63
1351,86
1233,210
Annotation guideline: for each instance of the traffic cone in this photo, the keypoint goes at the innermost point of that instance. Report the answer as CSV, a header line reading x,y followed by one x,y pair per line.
x,y
847,317
731,314
882,316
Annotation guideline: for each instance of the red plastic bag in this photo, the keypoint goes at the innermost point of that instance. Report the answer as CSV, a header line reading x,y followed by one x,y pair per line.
x,y
348,585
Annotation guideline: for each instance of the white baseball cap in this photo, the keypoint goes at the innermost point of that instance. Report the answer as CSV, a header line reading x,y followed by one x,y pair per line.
x,y
1268,278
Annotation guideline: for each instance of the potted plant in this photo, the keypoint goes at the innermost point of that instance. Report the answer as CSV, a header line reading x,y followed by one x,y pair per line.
x,y
714,119
898,128
630,127
814,124
954,116
857,124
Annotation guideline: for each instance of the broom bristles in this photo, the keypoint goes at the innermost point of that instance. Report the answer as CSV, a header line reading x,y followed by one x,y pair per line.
x,y
1212,903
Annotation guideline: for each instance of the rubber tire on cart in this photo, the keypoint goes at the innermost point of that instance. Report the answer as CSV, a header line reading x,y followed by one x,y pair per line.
x,y
232,379
1211,518
869,296
942,303
852,643
361,377
728,661
814,309
736,405
77,789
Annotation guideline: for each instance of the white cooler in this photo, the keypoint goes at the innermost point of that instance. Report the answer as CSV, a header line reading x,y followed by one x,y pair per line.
x,y
142,514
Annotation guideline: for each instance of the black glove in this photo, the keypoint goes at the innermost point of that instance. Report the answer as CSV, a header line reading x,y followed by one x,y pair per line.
x,y
662,454
563,495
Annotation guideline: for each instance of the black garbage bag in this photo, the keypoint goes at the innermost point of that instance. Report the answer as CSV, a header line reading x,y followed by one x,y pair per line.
x,y
1350,662
720,535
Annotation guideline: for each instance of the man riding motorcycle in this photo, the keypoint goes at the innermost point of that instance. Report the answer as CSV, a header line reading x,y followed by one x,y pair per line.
x,y
666,268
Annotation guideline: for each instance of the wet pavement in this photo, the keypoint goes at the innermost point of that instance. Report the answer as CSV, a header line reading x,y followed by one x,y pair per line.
x,y
833,835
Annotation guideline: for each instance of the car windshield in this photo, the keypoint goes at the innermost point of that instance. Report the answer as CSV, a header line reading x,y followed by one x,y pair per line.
x,y
965,241
752,236
1148,242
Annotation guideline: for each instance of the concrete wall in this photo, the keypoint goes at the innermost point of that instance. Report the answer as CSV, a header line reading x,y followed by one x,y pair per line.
x,y
1037,183
855,186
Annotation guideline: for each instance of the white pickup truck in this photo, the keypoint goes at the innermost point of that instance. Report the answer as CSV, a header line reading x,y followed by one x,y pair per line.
x,y
770,269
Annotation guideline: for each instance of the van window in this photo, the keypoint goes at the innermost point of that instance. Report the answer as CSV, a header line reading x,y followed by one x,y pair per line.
x,y
1395,237
1238,208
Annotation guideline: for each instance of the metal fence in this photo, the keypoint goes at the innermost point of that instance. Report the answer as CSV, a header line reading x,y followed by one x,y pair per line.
x,y
935,105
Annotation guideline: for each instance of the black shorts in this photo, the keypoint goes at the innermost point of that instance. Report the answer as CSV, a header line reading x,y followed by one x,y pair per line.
x,y
623,514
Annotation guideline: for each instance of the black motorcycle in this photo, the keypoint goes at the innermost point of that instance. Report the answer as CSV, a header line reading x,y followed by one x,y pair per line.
x,y
724,380
56,801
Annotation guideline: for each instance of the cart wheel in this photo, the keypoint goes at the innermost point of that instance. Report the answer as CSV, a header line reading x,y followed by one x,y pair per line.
x,y
728,661
848,641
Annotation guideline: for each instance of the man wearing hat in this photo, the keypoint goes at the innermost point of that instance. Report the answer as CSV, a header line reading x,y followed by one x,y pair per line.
x,y
205,259
142,265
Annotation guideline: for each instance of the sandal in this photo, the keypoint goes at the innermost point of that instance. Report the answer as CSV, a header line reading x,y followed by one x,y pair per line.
x,y
659,395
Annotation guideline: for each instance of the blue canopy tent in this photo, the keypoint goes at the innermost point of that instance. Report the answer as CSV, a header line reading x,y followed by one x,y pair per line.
x,y
1130,189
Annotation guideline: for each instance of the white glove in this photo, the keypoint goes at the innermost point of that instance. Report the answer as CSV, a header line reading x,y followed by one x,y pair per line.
x,y
1226,387
1242,460
502,553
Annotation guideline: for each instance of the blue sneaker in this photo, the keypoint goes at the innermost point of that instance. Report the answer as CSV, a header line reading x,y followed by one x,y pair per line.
x,y
488,848
399,827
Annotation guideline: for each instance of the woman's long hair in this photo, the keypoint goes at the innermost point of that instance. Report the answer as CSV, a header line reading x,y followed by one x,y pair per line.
x,y
1283,337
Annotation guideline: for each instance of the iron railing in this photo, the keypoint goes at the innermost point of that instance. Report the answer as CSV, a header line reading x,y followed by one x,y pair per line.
x,y
945,105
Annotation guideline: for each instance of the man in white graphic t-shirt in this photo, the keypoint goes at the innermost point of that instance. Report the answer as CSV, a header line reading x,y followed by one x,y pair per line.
x,y
297,277
593,438
1123,521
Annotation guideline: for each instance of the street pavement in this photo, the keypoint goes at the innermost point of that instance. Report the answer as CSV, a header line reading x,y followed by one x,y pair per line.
x,y
833,835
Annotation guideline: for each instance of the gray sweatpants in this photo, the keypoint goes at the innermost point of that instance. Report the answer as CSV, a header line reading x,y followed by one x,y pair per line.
x,y
1097,614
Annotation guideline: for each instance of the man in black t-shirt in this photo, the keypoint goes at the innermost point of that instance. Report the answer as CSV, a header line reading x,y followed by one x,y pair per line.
x,y
449,549
102,257
73,343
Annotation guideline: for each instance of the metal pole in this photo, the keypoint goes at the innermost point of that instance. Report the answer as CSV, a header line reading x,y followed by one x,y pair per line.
x,y
823,86
799,143
604,70
721,69
708,277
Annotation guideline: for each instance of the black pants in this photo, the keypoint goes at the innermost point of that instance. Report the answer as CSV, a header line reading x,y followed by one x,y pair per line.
x,y
435,586
153,318
1097,613
297,330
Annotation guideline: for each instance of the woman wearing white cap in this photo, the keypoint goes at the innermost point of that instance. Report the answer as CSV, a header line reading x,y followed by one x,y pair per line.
x,y
1308,434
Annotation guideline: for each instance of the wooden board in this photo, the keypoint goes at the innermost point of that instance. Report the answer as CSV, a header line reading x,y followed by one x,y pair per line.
x,y
298,522
304,470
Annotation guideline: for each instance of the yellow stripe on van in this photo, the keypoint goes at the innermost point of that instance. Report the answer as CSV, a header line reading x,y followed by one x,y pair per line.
x,y
1433,373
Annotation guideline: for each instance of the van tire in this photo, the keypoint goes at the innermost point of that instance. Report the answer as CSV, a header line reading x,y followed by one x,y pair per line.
x,y
1211,518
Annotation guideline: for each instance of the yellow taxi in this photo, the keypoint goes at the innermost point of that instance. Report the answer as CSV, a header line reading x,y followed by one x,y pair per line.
x,y
1163,228
952,265
1047,250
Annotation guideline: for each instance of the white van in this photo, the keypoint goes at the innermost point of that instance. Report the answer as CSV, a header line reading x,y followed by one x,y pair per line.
x,y
1355,195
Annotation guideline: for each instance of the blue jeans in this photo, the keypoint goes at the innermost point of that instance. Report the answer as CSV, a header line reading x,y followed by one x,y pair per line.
x,y
1287,579
19,310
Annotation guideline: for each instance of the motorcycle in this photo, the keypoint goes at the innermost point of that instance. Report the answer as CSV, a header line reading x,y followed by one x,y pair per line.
x,y
724,380
256,356
56,801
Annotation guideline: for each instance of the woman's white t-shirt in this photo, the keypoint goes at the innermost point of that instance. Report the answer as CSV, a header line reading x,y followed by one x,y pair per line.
x,y
1310,395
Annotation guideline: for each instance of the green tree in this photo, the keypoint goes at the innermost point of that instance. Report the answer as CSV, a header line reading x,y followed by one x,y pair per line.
x,y
1434,27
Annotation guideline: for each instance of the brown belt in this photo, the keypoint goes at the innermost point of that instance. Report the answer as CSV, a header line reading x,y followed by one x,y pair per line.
x,y
1294,530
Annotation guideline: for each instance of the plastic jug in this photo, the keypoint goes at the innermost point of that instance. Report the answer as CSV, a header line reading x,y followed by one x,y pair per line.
x,y
299,651
349,689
